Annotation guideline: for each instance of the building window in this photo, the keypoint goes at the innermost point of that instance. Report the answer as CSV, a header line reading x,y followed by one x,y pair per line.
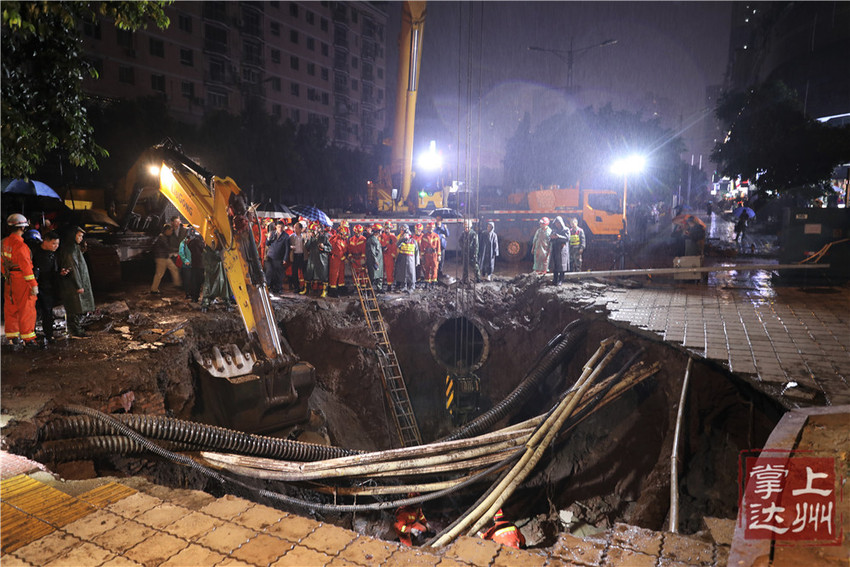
x,y
124,38
323,24
311,44
92,29
354,62
295,89
275,27
276,110
293,62
187,89
324,73
355,85
312,94
275,82
275,55
158,83
311,69
325,49
217,100
217,72
293,36
215,39
293,9
353,16
380,72
187,57
184,22
380,95
125,75
251,53
311,17
250,76
326,99
296,115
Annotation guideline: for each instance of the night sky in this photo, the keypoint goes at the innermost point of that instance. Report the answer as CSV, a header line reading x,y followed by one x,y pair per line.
x,y
666,54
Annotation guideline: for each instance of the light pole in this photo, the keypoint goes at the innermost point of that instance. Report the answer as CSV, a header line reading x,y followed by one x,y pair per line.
x,y
632,164
571,54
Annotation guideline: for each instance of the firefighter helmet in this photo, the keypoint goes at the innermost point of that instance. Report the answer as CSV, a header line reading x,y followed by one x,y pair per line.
x,y
389,225
17,220
343,229
499,516
377,226
430,225
315,225
418,226
358,229
544,221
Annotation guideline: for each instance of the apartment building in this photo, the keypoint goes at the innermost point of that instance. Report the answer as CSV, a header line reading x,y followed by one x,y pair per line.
x,y
308,62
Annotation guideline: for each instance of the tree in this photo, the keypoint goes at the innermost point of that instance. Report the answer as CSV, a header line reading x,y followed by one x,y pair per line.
x,y
43,68
774,144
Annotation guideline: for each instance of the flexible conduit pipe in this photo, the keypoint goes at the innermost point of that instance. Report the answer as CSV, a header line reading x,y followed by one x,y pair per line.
x,y
552,355
197,435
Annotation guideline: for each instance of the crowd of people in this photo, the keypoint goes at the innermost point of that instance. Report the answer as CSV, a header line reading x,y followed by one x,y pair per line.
x,y
41,267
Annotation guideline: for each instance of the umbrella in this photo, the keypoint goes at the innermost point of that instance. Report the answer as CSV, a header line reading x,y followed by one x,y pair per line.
x,y
33,195
744,211
311,213
275,211
682,219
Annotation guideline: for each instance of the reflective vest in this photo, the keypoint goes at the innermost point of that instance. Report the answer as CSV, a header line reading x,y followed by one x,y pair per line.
x,y
507,534
575,237
408,247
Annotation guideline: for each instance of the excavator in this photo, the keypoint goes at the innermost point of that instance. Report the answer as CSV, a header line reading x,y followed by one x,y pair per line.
x,y
261,387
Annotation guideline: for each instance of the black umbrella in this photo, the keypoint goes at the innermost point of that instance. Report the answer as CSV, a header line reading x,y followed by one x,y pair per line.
x,y
275,211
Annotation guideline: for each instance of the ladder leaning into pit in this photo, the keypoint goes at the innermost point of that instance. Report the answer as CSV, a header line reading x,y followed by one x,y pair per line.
x,y
402,410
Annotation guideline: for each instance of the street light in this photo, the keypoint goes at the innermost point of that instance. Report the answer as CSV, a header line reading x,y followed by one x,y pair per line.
x,y
571,53
625,166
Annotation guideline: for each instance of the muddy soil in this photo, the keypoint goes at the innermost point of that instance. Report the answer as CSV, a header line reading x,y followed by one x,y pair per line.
x,y
612,467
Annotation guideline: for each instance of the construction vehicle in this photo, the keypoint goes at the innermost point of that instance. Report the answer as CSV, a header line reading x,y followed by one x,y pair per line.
x,y
261,387
600,214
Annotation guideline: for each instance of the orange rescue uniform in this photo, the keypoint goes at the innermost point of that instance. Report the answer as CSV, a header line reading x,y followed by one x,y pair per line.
x,y
409,520
505,533
357,253
336,265
429,246
18,299
389,244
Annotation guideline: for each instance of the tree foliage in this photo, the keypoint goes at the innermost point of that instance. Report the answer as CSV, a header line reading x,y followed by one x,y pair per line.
x,y
773,143
43,69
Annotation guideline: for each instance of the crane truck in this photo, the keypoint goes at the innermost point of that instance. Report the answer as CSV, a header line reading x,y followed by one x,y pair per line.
x,y
263,386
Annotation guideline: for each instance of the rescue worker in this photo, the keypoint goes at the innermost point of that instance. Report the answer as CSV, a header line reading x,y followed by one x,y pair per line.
x,y
468,242
443,232
336,265
21,289
488,251
559,253
410,522
375,258
46,269
357,251
417,236
408,258
318,248
296,257
389,246
504,532
431,253
76,283
578,242
540,247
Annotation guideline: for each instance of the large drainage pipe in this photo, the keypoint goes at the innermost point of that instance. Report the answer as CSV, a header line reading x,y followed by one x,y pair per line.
x,y
558,348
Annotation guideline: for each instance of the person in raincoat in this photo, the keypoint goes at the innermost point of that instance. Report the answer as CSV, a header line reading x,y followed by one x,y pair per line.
x,y
215,280
20,287
318,250
75,282
468,242
336,266
559,252
375,258
408,258
578,242
488,251
540,247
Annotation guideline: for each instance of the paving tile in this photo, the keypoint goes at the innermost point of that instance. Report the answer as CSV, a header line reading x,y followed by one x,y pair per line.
x,y
260,517
686,550
84,554
193,556
619,557
262,550
227,507
329,539
303,557
579,551
510,557
156,549
232,562
163,515
293,528
93,525
368,551
10,560
192,499
193,525
124,536
47,548
449,562
473,550
413,557
636,539
226,537
134,505
340,562
119,561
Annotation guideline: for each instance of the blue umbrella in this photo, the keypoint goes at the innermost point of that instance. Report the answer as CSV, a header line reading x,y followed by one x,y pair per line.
x,y
744,211
311,213
30,188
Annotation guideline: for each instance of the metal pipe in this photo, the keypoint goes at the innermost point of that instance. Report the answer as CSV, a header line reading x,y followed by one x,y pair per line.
x,y
674,468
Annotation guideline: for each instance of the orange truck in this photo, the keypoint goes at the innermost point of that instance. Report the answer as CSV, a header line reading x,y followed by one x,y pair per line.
x,y
600,214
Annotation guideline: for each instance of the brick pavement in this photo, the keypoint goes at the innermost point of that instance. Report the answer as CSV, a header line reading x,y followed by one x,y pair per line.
x,y
792,343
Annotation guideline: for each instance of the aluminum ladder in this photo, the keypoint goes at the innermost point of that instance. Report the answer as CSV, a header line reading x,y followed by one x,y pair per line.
x,y
405,420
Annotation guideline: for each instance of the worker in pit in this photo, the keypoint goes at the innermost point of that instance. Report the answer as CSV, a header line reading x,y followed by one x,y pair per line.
x,y
408,258
389,246
578,242
375,258
318,248
336,267
357,252
468,243
410,524
504,532
431,254
21,289
540,247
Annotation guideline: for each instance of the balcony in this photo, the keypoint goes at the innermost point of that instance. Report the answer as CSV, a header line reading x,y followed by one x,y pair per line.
x,y
212,46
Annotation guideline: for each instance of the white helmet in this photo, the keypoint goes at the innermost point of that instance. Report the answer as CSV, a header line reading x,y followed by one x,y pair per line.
x,y
17,220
